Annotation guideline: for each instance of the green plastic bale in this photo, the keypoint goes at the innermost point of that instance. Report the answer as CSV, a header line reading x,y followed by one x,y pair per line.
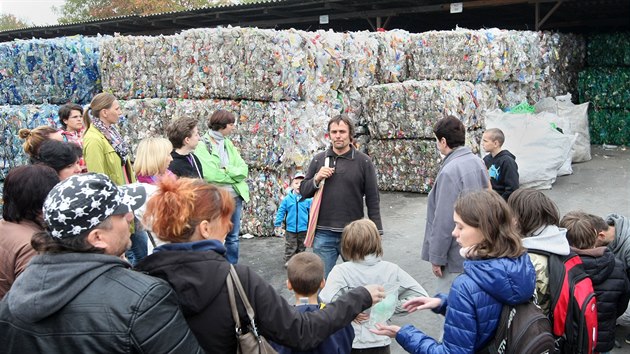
x,y
608,49
609,126
605,87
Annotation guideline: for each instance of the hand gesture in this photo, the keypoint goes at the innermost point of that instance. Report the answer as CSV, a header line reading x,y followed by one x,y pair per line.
x,y
437,270
362,317
323,173
377,292
386,330
421,303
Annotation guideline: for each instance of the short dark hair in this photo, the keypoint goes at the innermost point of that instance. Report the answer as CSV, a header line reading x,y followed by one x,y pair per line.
x,y
305,271
43,242
58,154
25,189
343,118
220,119
496,134
581,233
452,129
180,129
65,110
533,210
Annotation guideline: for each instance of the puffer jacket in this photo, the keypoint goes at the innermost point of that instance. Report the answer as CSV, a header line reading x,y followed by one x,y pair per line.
x,y
91,303
198,276
294,212
612,291
474,305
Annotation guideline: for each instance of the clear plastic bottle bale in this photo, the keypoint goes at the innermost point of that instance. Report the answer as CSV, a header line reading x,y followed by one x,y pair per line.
x,y
405,165
203,110
393,47
326,63
360,52
14,118
144,118
266,193
410,109
56,70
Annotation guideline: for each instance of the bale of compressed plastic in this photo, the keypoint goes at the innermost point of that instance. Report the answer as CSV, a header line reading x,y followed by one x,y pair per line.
x,y
410,109
14,118
605,87
361,53
475,55
267,188
135,67
393,47
609,126
57,70
562,57
608,49
406,165
326,63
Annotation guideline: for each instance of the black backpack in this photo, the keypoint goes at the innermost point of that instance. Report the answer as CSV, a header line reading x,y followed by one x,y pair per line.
x,y
522,329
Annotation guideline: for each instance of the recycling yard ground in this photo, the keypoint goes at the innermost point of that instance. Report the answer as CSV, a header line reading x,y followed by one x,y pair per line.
x,y
599,186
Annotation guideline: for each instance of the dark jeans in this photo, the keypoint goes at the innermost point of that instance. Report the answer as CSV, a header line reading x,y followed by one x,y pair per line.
x,y
139,241
293,244
377,350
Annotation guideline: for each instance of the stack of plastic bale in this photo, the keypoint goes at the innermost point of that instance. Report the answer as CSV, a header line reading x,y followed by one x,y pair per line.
x,y
12,119
562,58
401,118
57,70
606,84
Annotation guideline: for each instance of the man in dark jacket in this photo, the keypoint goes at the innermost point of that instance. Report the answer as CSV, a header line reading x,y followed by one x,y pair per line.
x,y
501,164
78,295
349,176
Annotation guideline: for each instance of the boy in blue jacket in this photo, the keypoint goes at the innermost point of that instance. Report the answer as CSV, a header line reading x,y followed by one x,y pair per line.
x,y
294,212
305,277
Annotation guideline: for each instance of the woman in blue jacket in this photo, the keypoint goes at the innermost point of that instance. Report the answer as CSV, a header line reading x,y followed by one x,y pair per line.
x,y
497,271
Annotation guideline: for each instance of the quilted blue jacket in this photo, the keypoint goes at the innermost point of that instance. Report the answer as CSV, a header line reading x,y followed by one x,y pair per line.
x,y
474,305
294,212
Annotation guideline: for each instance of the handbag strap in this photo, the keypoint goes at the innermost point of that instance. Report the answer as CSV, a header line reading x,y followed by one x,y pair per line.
x,y
230,289
241,292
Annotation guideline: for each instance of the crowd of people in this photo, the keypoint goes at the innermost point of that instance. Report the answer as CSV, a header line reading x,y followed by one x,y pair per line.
x,y
77,272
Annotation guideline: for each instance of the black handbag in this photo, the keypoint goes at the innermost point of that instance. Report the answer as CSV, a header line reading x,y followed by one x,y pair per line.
x,y
251,342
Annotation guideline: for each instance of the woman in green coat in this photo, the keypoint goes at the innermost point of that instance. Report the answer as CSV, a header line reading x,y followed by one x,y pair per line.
x,y
223,166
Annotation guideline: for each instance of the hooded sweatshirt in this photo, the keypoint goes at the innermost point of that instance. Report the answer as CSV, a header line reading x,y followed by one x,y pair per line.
x,y
86,302
503,172
620,246
198,271
612,291
474,305
371,270
551,239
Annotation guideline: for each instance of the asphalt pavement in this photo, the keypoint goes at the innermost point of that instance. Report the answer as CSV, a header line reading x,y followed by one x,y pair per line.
x,y
599,186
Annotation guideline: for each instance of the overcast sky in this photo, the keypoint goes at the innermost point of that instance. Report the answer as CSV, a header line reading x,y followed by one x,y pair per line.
x,y
38,12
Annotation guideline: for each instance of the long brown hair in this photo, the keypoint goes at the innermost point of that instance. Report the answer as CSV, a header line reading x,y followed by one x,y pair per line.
x,y
101,101
533,210
488,212
180,205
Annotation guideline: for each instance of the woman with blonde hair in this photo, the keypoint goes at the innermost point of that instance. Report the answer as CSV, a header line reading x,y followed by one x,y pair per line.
x,y
33,138
193,217
497,271
153,156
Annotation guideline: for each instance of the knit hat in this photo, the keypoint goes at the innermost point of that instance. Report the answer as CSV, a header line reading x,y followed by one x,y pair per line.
x,y
81,202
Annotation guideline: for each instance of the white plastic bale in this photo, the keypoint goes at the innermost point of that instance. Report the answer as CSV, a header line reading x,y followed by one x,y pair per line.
x,y
326,64
267,188
406,165
474,55
392,54
361,51
410,109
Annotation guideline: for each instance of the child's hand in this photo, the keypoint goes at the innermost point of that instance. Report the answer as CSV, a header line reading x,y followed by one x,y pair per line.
x,y
386,330
362,317
277,231
421,303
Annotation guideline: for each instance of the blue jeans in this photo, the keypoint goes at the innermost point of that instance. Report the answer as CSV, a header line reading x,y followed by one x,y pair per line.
x,y
139,241
231,240
327,245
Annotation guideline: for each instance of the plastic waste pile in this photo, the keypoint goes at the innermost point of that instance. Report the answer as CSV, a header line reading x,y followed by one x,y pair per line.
x,y
606,85
14,118
52,71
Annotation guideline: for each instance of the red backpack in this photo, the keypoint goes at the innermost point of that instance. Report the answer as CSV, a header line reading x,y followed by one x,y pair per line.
x,y
573,311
